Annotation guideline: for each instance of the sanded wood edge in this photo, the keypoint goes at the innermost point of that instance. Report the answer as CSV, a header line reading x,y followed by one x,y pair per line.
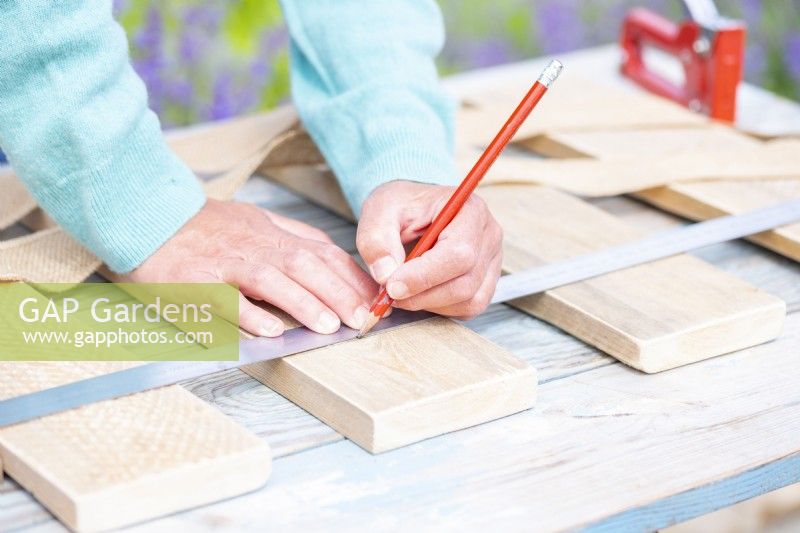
x,y
484,402
504,394
757,326
303,390
150,496
548,145
674,201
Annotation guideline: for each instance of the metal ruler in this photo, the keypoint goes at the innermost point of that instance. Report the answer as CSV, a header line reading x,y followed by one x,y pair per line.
x,y
523,283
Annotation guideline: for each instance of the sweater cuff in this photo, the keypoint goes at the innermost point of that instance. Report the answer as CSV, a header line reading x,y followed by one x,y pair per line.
x,y
399,161
133,202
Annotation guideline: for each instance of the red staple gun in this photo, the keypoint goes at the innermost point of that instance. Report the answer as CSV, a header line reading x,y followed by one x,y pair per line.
x,y
709,46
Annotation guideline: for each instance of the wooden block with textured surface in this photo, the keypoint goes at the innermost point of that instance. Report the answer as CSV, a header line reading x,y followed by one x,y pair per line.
x,y
119,462
701,200
653,317
400,386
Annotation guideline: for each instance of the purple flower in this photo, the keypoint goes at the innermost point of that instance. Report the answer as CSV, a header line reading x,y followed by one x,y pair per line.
x,y
150,62
490,52
181,92
752,11
199,23
224,102
151,36
560,26
755,59
118,6
792,56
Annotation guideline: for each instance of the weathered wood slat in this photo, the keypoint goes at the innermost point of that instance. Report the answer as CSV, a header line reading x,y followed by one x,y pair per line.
x,y
654,316
566,108
701,200
404,385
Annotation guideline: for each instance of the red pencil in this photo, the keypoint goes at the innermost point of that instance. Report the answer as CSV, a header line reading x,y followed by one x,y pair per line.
x,y
382,302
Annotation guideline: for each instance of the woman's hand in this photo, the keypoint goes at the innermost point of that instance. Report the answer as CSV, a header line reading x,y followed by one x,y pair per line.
x,y
456,277
286,263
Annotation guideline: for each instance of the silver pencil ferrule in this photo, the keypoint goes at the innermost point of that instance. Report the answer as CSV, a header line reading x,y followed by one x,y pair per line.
x,y
550,73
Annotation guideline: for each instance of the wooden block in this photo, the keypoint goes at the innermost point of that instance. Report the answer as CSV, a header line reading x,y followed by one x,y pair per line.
x,y
400,386
653,317
115,463
701,200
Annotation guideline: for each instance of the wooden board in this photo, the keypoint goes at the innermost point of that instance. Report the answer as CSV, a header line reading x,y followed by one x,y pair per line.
x,y
404,385
697,201
574,104
653,317
119,462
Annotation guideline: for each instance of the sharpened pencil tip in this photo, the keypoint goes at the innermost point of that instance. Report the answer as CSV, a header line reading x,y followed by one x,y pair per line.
x,y
369,323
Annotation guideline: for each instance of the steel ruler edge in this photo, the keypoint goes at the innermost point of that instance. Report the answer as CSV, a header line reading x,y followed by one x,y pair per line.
x,y
524,283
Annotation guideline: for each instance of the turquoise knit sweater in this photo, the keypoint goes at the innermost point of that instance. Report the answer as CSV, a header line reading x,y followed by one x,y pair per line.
x,y
75,125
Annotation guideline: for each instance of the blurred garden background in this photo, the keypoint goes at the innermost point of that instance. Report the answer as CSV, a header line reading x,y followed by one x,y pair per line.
x,y
212,59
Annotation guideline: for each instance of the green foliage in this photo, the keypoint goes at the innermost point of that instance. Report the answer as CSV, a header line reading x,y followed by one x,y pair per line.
x,y
246,19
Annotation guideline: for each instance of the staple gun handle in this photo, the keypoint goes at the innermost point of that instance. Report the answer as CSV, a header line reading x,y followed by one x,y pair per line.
x,y
641,28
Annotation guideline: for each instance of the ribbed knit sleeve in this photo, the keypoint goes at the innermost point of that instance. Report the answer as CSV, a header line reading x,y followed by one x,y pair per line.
x,y
76,128
366,87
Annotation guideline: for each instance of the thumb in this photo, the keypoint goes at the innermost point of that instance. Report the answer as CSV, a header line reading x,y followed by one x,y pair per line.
x,y
378,237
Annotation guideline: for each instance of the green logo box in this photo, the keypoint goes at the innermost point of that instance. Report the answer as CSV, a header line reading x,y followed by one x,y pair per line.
x,y
119,322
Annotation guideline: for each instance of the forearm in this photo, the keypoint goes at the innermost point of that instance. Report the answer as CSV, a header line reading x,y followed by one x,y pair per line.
x,y
75,125
366,87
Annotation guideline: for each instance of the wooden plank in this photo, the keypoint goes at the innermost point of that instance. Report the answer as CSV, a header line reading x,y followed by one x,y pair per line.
x,y
635,439
123,461
653,317
701,201
772,273
698,201
608,176
404,385
565,108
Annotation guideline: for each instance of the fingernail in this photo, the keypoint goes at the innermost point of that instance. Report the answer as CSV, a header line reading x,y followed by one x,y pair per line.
x,y
397,290
383,268
327,323
360,316
271,328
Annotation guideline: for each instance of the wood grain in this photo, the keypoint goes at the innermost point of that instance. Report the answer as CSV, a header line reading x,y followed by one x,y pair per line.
x,y
701,200
653,317
574,104
397,387
119,462
608,175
